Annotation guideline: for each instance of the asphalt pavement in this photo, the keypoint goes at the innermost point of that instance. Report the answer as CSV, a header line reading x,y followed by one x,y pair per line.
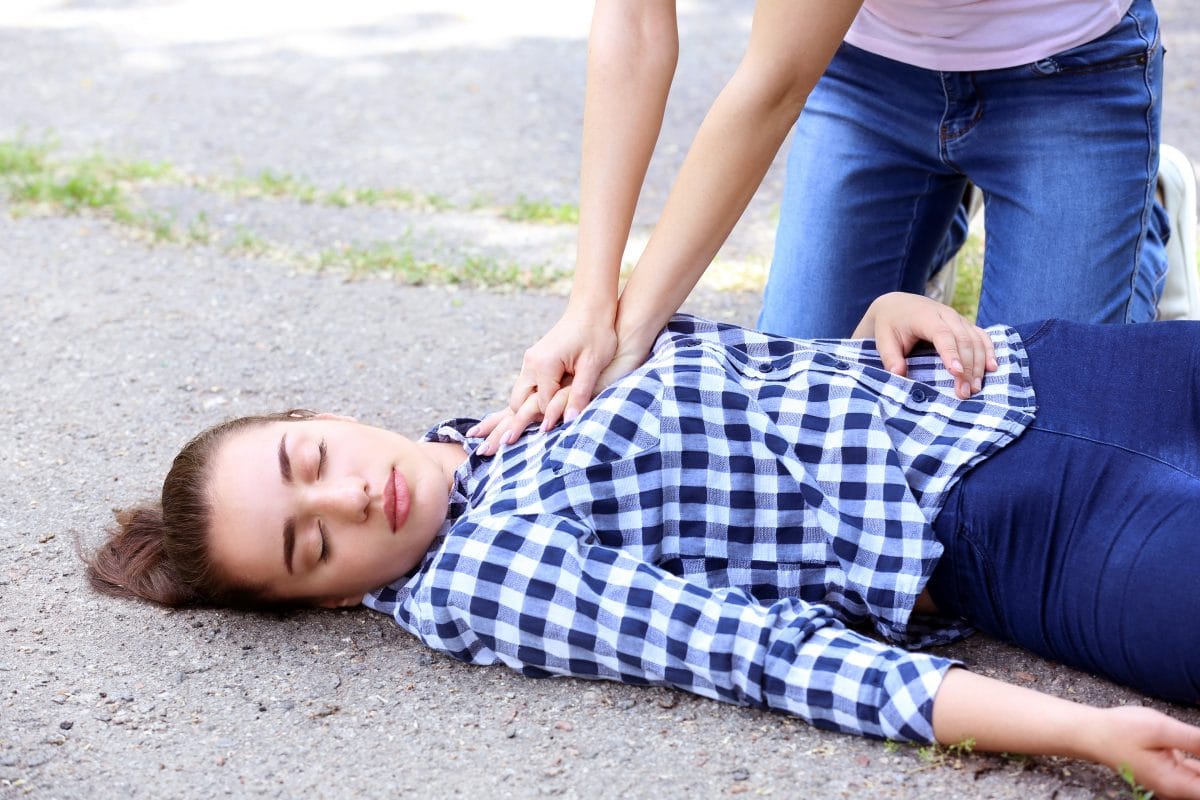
x,y
287,151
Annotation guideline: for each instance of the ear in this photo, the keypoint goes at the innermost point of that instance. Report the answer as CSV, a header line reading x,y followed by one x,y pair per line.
x,y
340,602
339,417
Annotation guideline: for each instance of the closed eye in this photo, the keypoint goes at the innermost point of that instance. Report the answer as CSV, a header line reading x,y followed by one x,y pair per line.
x,y
324,556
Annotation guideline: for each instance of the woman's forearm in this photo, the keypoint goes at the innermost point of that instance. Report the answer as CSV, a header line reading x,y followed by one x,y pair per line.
x,y
1001,717
1145,745
632,51
791,43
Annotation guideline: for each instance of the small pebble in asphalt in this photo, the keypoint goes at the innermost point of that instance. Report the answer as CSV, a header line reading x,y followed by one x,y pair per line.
x,y
66,725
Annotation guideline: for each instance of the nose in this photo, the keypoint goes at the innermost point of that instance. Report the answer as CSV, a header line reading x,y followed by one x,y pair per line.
x,y
344,499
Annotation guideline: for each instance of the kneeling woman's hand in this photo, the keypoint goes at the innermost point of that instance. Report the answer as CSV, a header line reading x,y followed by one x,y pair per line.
x,y
899,321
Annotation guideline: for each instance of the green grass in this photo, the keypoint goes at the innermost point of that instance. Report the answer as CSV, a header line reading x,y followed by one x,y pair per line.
x,y
400,262
199,231
1136,790
34,177
526,210
18,157
247,242
29,175
968,277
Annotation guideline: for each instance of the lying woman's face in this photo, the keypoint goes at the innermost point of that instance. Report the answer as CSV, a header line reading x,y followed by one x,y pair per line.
x,y
323,509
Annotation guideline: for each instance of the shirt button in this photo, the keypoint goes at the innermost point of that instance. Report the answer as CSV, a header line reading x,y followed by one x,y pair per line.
x,y
919,395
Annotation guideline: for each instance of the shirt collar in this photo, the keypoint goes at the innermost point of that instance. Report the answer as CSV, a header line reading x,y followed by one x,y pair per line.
x,y
468,475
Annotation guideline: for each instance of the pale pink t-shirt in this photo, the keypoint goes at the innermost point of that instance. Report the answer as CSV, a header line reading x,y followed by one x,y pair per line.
x,y
967,35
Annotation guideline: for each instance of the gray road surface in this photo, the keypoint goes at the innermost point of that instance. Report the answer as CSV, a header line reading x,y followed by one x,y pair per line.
x,y
116,349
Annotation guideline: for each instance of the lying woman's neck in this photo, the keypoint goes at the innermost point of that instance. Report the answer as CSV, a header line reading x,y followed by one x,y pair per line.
x,y
449,455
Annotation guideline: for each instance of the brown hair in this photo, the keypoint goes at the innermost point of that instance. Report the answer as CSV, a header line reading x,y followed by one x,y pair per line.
x,y
159,551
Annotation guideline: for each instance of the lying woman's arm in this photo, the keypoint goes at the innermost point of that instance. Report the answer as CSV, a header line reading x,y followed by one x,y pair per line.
x,y
1000,717
533,592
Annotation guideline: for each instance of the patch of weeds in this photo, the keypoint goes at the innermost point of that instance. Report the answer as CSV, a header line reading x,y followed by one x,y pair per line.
x,y
247,242
161,226
400,262
269,183
1136,790
141,170
371,196
73,189
338,198
379,257
199,231
29,175
437,202
344,197
526,210
18,157
891,746
493,273
968,277
938,755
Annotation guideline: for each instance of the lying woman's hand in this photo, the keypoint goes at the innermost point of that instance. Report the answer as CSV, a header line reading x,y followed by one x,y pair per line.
x,y
898,321
1152,749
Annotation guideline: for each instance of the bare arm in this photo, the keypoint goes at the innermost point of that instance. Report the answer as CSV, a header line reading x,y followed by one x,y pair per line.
x,y
1000,717
632,51
633,47
791,43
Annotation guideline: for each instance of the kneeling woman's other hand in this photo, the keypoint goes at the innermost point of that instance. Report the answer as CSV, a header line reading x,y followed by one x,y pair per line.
x,y
898,322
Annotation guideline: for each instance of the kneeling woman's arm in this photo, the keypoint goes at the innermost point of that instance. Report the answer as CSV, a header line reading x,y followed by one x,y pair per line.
x,y
1000,717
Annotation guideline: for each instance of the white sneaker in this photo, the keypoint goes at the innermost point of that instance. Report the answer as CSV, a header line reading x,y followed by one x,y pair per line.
x,y
940,286
1181,289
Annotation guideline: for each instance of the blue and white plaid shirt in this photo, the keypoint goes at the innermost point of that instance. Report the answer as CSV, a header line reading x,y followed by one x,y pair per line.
x,y
715,520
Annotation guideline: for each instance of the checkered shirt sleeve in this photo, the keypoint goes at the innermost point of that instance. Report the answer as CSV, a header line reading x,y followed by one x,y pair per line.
x,y
538,594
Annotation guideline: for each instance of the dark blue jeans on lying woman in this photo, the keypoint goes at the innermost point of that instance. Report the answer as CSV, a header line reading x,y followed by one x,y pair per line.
x,y
1080,541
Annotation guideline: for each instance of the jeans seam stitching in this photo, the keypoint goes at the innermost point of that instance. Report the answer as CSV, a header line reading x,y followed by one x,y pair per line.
x,y
1080,437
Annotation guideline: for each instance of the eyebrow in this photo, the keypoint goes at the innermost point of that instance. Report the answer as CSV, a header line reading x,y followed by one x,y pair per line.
x,y
289,527
285,463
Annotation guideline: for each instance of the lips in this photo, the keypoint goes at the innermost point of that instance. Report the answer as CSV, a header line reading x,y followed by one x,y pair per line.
x,y
396,500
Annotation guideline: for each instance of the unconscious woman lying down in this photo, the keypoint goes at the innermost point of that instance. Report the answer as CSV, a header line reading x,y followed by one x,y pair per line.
x,y
760,520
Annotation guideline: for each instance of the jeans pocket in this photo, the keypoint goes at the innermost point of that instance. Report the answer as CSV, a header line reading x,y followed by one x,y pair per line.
x,y
1131,43
979,593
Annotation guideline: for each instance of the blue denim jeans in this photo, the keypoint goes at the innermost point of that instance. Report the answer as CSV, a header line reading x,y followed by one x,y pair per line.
x,y
1065,151
1080,540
